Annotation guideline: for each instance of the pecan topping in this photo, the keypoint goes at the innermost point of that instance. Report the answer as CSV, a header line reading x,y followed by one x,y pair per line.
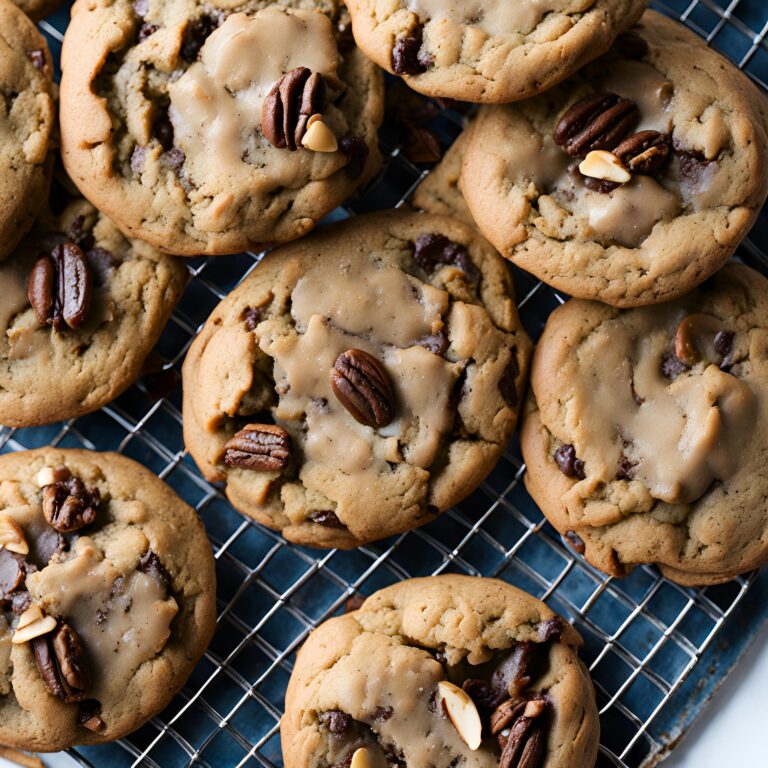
x,y
645,151
524,747
433,248
59,287
363,387
261,447
597,122
294,98
61,662
68,505
568,464
407,58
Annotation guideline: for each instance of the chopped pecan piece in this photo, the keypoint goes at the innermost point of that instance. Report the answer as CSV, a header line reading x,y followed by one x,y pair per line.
x,y
68,505
597,122
645,151
261,447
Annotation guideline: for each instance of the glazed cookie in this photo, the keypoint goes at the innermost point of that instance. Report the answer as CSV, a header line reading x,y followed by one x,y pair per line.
x,y
174,129
106,608
648,446
488,51
631,182
439,672
359,382
82,308
26,122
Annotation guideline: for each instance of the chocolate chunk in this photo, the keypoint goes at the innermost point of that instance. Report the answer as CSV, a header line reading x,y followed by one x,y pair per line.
x,y
37,58
61,662
724,344
20,601
644,152
162,130
508,380
174,158
597,122
89,715
551,629
260,447
147,30
355,149
252,317
482,693
626,469
151,565
68,505
437,343
568,464
102,263
433,248
631,45
293,99
362,385
511,676
576,542
59,287
407,58
672,366
382,714
597,185
11,572
692,162
338,723
327,518
196,34
138,158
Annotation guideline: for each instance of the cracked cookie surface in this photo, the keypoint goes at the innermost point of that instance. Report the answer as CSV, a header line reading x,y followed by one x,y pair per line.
x,y
670,227
169,122
108,597
50,371
371,453
26,123
371,680
647,444
488,51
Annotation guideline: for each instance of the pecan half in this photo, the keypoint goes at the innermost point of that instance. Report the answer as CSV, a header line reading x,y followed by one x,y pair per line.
x,y
59,287
524,746
61,662
261,447
68,505
597,122
645,151
294,98
362,385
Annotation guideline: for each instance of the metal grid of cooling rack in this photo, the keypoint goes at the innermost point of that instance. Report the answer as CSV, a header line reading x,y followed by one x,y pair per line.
x,y
643,635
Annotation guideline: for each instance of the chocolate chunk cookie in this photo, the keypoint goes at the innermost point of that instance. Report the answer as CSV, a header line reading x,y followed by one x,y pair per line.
x,y
26,122
82,308
105,608
176,130
488,50
440,672
631,182
359,382
646,434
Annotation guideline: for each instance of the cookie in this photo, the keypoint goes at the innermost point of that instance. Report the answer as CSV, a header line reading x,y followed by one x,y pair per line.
x,y
647,221
647,446
173,128
82,308
359,382
438,672
488,51
26,122
38,9
105,607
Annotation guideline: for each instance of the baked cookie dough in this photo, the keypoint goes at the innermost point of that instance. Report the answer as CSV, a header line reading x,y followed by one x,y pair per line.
x,y
488,51
108,595
647,429
177,131
82,308
26,121
440,672
38,9
359,382
676,141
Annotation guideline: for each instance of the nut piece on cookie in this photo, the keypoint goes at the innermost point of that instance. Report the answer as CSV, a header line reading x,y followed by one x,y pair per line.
x,y
620,184
487,51
359,382
645,447
471,670
98,609
230,150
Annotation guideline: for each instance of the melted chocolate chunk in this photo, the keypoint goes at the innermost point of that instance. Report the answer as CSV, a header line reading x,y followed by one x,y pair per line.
x,y
672,366
327,518
407,58
151,565
567,463
432,249
338,723
507,382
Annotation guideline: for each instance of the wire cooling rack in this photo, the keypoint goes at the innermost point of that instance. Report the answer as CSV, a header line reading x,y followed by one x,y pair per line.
x,y
644,636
